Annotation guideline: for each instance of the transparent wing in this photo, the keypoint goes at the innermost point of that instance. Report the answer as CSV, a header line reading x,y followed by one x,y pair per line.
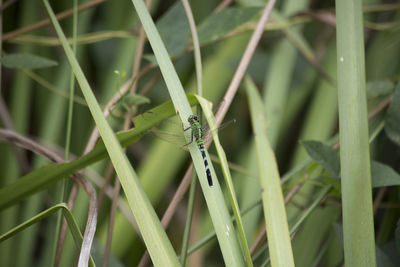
x,y
176,139
208,133
171,130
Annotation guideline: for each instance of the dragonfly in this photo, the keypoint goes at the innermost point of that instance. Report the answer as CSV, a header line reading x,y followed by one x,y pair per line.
x,y
197,136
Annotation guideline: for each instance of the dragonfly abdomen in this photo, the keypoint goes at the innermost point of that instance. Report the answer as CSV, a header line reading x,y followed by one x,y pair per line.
x,y
203,154
197,134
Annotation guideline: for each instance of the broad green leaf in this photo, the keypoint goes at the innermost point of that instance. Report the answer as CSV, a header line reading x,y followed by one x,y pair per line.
x,y
383,175
42,178
379,88
324,155
392,125
175,37
26,61
221,23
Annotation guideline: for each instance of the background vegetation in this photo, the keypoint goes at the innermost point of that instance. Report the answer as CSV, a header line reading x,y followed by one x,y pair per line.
x,y
277,171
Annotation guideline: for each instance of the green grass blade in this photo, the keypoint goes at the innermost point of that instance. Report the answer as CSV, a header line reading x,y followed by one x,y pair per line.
x,y
274,208
155,238
73,226
228,178
62,187
358,225
43,177
213,195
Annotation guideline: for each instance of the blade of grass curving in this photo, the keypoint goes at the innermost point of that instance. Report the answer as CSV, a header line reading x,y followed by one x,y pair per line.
x,y
155,238
199,78
205,105
43,177
62,187
358,224
322,193
274,208
213,195
73,226
210,236
82,39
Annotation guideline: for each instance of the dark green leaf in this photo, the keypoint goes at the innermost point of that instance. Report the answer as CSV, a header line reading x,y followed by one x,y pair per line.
x,y
324,155
379,88
397,235
383,175
382,259
26,61
335,183
97,253
392,124
174,29
219,24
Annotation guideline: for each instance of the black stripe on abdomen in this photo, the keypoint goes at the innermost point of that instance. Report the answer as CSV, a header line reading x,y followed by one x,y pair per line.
x,y
209,179
208,172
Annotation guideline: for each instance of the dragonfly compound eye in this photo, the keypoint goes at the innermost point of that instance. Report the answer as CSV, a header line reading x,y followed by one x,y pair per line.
x,y
192,119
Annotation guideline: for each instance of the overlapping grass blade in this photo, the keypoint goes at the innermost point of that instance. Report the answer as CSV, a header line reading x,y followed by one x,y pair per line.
x,y
151,229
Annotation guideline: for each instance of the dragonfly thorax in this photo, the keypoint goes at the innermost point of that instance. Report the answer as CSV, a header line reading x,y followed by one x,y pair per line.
x,y
197,131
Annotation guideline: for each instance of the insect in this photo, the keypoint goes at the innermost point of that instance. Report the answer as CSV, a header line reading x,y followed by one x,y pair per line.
x,y
197,136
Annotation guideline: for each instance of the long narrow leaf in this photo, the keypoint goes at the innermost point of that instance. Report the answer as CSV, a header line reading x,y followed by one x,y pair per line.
x,y
73,226
228,179
358,224
213,194
155,238
40,179
280,247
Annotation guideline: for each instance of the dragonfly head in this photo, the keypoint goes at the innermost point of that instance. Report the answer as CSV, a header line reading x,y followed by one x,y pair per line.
x,y
193,118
